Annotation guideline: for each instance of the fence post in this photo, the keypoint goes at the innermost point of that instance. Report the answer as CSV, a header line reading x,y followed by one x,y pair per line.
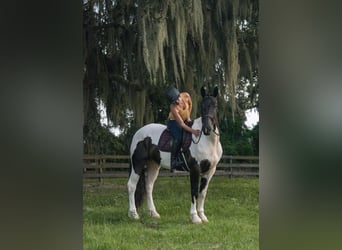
x,y
230,166
100,162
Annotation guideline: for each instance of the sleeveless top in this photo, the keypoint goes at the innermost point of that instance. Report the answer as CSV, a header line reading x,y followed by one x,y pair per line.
x,y
184,113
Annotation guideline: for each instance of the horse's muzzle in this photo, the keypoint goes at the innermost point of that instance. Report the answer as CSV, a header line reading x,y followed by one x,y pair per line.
x,y
206,131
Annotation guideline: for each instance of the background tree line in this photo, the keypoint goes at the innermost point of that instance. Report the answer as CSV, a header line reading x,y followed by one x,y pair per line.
x,y
135,49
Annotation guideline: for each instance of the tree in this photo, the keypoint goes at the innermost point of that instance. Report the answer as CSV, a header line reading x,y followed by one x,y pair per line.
x,y
134,49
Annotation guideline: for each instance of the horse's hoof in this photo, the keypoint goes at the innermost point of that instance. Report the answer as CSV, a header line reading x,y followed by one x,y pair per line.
x,y
195,219
203,217
133,215
154,214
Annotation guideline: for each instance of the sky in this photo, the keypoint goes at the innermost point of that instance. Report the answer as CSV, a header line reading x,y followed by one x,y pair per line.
x,y
252,118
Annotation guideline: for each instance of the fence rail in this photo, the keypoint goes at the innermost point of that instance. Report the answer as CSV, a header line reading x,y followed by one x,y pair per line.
x,y
111,166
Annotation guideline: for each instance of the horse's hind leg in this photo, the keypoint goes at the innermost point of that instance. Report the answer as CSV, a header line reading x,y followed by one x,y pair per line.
x,y
152,174
132,185
137,187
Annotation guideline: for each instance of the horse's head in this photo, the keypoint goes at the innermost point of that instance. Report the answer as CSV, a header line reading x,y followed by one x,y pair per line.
x,y
208,111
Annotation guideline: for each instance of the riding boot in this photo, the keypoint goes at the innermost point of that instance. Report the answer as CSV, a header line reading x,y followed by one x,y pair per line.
x,y
176,145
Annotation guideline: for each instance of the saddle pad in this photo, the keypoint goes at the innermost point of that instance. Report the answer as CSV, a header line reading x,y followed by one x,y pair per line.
x,y
165,141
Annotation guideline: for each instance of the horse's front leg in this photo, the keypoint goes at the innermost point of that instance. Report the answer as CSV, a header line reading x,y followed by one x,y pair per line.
x,y
153,171
194,180
203,192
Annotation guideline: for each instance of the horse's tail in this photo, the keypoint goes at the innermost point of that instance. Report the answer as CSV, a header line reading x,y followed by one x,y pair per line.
x,y
140,188
140,191
144,151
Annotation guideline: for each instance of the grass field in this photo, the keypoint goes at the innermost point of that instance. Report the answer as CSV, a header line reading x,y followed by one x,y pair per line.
x,y
231,206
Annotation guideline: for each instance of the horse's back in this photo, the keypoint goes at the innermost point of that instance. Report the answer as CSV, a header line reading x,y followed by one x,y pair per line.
x,y
153,130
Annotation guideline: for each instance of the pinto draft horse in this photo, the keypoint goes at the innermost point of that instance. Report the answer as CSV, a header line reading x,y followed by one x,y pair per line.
x,y
201,159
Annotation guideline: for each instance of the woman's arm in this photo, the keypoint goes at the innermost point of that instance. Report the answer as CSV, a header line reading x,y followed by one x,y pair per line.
x,y
180,121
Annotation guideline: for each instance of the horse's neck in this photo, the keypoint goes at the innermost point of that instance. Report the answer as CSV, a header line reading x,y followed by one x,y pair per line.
x,y
214,136
197,123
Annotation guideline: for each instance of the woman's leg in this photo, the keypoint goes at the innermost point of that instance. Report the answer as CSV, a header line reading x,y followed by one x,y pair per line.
x,y
177,134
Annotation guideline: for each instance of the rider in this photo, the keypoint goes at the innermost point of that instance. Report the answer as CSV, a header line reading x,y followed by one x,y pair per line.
x,y
180,110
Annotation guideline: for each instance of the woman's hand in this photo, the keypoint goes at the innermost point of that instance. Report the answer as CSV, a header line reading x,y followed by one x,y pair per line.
x,y
196,132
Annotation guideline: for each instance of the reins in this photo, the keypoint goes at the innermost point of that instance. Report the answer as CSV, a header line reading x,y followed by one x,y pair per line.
x,y
198,138
217,134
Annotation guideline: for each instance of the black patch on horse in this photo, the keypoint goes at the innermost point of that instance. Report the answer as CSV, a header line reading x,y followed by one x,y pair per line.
x,y
204,165
204,182
194,176
144,151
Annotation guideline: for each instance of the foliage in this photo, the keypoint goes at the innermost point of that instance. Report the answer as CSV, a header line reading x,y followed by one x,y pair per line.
x,y
232,209
254,135
237,139
102,141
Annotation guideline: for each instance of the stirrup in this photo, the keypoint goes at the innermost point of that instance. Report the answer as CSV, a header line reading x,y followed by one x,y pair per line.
x,y
176,165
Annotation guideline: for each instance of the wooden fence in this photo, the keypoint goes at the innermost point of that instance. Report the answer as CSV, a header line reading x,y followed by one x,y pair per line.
x,y
110,166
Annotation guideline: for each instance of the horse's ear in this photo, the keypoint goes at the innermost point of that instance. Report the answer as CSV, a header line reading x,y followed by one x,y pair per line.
x,y
203,90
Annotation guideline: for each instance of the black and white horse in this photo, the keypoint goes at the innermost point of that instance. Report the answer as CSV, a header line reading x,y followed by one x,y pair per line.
x,y
202,157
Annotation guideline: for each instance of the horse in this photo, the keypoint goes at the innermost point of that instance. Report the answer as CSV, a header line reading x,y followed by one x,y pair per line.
x,y
201,159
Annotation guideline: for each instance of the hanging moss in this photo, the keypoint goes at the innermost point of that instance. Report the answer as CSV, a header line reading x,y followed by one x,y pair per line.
x,y
154,38
138,45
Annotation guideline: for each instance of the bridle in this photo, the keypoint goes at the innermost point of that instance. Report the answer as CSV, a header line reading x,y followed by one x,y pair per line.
x,y
214,121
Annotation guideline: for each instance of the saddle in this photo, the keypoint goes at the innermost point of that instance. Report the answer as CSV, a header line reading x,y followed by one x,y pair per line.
x,y
166,140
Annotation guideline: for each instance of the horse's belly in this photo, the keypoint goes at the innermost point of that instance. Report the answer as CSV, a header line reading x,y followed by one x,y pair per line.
x,y
165,160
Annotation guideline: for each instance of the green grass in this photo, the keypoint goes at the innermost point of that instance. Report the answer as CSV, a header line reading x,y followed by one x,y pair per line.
x,y
231,207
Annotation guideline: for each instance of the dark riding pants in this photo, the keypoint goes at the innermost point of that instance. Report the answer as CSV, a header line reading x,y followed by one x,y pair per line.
x,y
175,129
